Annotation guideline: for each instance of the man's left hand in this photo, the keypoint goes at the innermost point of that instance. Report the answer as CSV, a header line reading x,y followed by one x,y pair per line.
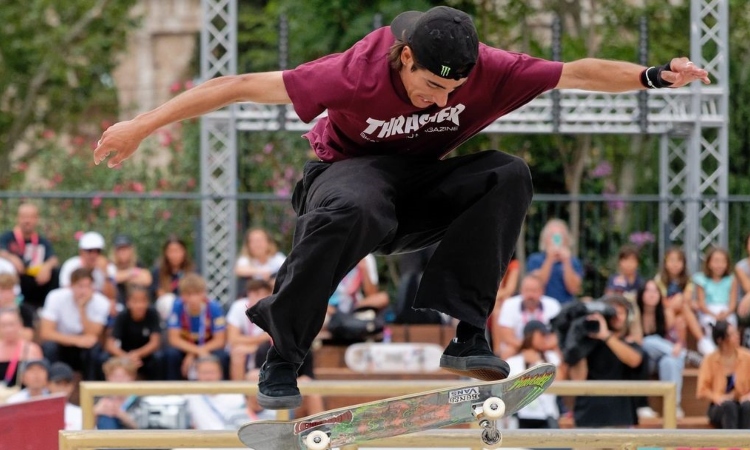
x,y
682,72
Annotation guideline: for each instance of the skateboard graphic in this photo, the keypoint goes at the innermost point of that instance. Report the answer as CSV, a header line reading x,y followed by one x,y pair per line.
x,y
483,402
404,357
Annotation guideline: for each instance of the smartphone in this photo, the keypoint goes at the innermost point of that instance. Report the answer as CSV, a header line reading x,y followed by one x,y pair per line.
x,y
557,240
591,326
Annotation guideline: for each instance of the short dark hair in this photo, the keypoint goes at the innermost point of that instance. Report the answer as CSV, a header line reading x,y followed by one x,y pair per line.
x,y
626,251
257,285
720,331
132,288
80,274
394,57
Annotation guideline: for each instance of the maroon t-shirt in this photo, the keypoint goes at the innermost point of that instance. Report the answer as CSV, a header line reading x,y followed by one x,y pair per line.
x,y
369,112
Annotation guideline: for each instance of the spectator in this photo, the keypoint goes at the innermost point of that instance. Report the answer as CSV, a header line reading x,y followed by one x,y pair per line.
x,y
218,411
542,412
517,311
136,334
243,336
627,282
677,291
742,274
32,256
14,348
73,319
560,271
8,299
62,381
724,379
616,356
666,354
128,270
716,289
196,327
90,248
112,411
259,259
173,264
35,378
508,287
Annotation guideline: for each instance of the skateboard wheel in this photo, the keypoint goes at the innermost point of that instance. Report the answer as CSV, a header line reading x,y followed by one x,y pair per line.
x,y
317,440
493,408
492,437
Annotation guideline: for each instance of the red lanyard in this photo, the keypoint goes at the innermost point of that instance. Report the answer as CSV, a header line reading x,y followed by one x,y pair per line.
x,y
13,364
204,326
22,244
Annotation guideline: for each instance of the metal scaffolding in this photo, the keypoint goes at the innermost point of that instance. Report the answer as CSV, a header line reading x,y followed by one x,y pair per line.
x,y
692,123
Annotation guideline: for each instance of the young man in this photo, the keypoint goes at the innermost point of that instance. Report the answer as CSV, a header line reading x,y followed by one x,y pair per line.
x,y
243,336
398,101
90,256
72,322
196,327
62,381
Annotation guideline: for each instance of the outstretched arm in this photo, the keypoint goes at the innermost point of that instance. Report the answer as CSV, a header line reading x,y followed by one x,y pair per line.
x,y
603,75
123,138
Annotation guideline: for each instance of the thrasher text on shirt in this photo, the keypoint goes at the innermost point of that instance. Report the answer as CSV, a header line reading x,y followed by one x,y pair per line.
x,y
409,124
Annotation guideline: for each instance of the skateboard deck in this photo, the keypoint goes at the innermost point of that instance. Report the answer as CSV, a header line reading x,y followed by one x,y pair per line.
x,y
393,357
401,415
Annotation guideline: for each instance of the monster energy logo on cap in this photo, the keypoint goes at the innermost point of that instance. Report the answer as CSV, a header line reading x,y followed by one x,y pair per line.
x,y
444,71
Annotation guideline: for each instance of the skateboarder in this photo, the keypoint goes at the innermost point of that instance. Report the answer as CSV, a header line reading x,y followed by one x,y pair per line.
x,y
398,102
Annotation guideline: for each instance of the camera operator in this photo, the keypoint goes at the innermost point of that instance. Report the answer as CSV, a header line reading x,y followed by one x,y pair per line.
x,y
613,355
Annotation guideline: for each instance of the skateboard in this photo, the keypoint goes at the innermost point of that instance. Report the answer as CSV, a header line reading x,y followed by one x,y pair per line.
x,y
483,402
393,357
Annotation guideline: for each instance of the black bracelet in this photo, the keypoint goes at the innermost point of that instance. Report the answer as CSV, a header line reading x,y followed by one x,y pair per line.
x,y
651,77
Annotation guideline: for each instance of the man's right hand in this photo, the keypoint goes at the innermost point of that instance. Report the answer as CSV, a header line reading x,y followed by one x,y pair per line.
x,y
121,139
86,341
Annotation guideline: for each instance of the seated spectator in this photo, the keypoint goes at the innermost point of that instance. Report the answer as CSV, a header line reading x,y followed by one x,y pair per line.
x,y
615,356
542,412
666,354
724,379
561,272
62,381
136,334
357,295
9,299
742,274
517,311
627,282
508,288
677,292
128,270
173,264
14,349
259,258
243,336
32,256
196,327
112,411
35,374
716,289
90,248
218,411
72,322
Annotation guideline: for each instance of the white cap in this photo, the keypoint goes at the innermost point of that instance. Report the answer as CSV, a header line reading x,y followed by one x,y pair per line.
x,y
91,241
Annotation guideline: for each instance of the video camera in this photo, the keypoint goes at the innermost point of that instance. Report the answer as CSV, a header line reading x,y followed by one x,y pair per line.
x,y
573,327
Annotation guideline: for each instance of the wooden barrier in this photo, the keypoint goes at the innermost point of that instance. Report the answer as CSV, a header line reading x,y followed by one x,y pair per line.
x,y
89,390
541,438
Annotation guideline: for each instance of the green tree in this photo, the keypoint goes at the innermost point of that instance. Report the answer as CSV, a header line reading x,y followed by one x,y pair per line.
x,y
55,61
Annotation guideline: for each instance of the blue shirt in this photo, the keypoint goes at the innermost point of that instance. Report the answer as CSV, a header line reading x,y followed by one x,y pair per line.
x,y
555,285
717,292
200,328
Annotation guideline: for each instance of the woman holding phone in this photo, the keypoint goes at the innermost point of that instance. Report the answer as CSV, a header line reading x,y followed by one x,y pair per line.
x,y
555,265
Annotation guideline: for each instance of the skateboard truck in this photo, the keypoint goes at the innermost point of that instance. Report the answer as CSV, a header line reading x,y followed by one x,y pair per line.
x,y
487,415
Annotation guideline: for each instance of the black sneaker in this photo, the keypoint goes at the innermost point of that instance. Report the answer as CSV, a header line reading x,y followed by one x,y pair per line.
x,y
277,387
474,359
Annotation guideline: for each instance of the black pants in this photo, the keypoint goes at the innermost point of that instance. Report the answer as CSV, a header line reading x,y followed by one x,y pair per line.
x,y
84,360
730,415
473,205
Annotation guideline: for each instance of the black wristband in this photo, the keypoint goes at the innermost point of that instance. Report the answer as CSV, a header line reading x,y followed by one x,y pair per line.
x,y
651,77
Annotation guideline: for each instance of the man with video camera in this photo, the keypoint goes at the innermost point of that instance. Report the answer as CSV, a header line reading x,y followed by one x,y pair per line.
x,y
605,350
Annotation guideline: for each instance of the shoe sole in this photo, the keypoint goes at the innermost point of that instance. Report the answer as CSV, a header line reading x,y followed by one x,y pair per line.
x,y
285,402
482,368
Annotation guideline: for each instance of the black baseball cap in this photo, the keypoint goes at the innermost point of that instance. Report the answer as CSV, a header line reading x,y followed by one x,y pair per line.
x,y
122,240
60,371
37,362
443,40
535,325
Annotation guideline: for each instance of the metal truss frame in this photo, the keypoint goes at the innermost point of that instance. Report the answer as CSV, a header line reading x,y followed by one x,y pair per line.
x,y
692,123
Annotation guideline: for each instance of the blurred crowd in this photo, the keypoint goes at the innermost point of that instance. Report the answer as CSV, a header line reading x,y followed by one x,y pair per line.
x,y
104,314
